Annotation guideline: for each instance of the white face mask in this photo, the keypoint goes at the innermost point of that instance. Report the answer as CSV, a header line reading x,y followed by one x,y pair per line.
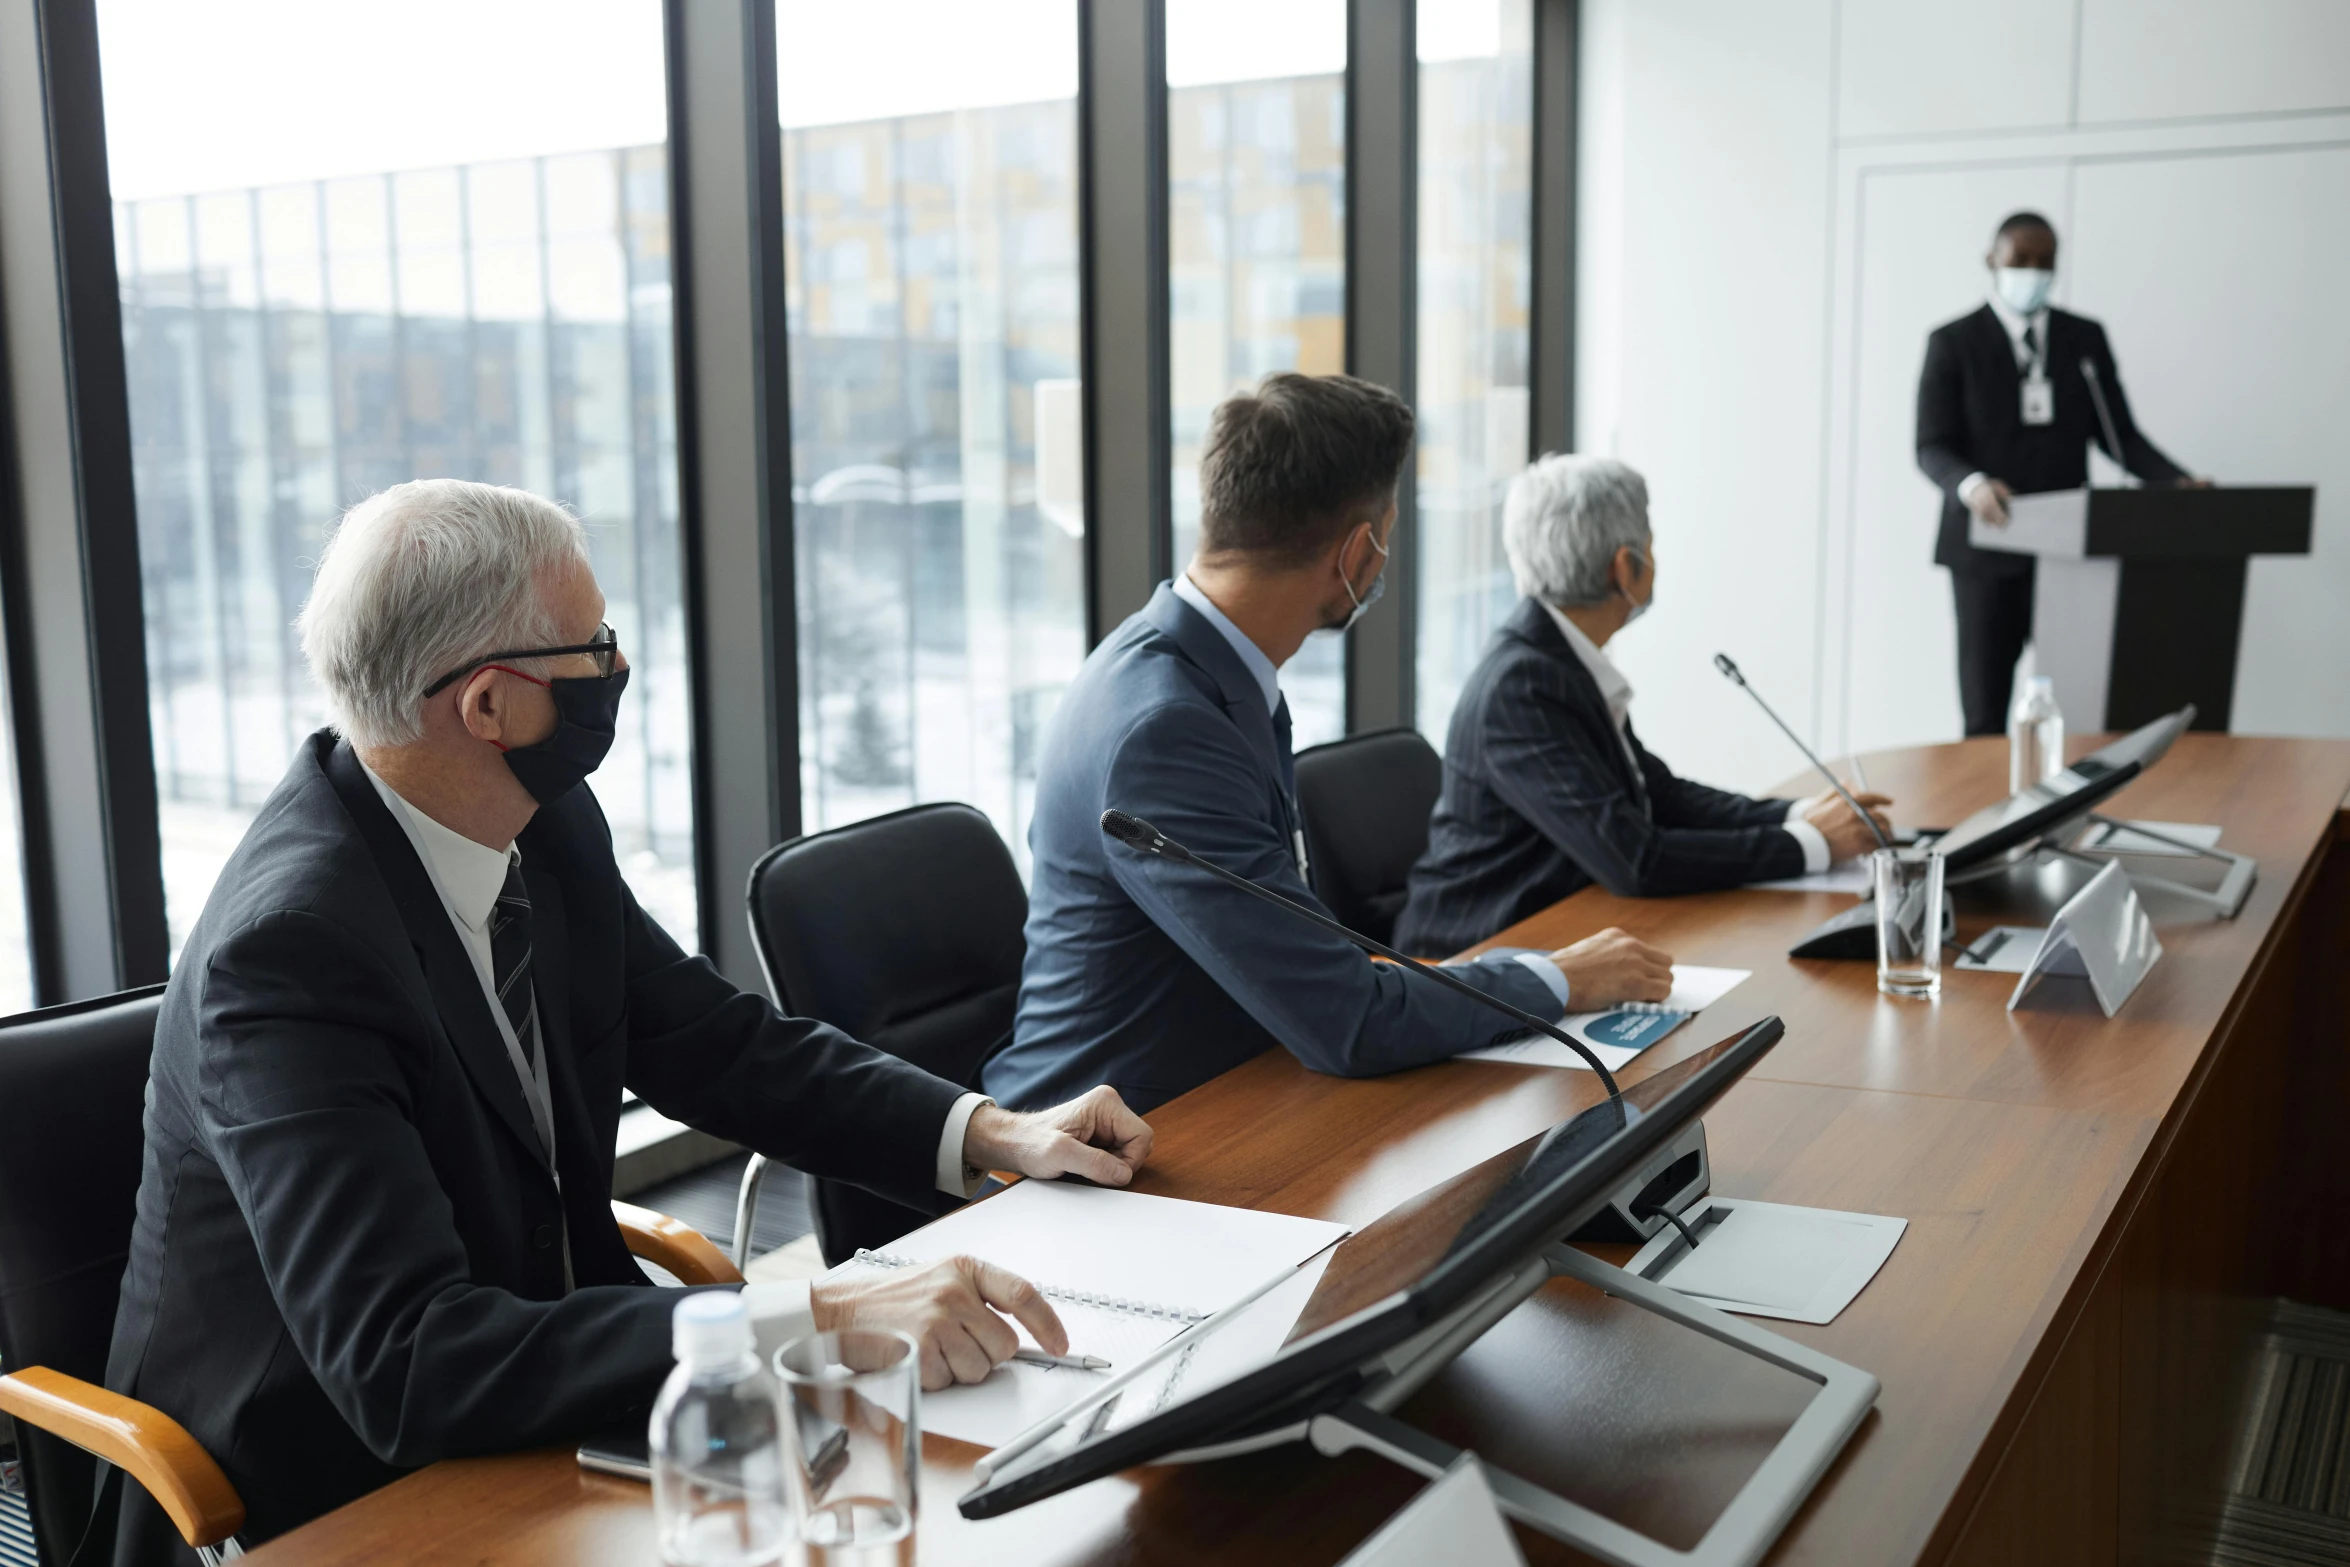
x,y
2025,289
1369,596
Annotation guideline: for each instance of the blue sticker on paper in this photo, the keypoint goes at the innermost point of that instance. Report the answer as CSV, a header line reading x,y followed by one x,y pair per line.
x,y
1633,1030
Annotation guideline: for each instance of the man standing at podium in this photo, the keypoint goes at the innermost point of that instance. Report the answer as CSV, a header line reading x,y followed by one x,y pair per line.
x,y
2011,397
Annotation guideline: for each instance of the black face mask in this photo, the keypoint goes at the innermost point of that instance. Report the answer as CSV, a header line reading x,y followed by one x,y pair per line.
x,y
587,712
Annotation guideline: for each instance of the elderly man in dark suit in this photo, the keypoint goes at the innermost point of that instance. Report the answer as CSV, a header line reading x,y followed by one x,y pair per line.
x,y
1154,976
1546,787
2007,405
374,1228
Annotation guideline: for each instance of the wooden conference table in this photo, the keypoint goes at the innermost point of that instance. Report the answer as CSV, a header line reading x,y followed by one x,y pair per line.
x,y
2098,1209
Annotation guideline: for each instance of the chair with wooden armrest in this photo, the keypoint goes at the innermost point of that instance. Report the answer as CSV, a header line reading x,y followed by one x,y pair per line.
x,y
155,1450
73,1082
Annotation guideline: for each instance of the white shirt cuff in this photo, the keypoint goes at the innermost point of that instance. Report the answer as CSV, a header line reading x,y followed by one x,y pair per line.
x,y
779,1312
1550,974
1966,487
1816,857
956,1178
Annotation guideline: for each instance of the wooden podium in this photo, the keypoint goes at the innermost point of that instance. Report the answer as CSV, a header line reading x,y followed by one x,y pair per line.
x,y
2140,607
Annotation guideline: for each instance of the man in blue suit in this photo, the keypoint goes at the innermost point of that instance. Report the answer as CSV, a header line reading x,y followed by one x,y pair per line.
x,y
1154,976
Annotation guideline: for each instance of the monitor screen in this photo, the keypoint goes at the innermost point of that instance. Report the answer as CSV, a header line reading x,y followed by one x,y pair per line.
x,y
2041,809
1298,1348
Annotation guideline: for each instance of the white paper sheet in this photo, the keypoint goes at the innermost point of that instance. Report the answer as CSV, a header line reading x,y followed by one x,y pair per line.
x,y
1766,1259
1186,1259
1616,1037
2003,949
1455,1521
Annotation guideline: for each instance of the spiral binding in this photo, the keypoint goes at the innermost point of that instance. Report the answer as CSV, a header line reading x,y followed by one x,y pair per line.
x,y
1131,1308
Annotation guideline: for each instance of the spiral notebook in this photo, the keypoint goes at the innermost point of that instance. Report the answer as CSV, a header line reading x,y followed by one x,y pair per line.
x,y
1124,1271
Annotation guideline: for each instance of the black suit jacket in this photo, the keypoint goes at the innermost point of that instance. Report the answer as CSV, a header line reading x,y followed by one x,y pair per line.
x,y
1970,420
1540,800
347,1259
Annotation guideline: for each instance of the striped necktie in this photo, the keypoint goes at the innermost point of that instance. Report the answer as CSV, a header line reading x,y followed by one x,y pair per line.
x,y
510,963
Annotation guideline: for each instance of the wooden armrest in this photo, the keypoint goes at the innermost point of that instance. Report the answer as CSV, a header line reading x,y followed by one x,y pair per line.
x,y
667,1243
140,1440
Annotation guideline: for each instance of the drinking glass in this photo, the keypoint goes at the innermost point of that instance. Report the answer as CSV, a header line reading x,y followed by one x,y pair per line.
x,y
853,1430
1909,921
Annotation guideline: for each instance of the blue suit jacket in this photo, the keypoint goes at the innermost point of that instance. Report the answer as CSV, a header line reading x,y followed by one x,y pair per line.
x,y
1155,977
1541,800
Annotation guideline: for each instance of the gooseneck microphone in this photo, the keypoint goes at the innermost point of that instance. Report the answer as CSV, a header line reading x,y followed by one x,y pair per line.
x,y
1729,669
2113,440
1142,837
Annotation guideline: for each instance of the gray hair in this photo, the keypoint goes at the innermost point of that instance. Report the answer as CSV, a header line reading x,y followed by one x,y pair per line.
x,y
417,580
1564,520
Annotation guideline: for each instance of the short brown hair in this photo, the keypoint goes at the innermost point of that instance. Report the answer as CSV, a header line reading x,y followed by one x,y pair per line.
x,y
1291,466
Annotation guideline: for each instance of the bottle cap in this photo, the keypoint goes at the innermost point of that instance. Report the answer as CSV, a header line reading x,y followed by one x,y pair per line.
x,y
2046,683
711,1328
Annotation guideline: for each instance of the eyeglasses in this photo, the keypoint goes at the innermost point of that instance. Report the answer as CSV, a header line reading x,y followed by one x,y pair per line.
x,y
605,650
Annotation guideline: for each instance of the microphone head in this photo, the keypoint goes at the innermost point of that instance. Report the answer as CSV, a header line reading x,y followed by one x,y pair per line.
x,y
1140,835
1729,668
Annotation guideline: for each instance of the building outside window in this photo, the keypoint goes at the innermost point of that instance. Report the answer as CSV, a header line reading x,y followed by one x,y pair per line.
x,y
1476,67
1256,200
350,255
930,255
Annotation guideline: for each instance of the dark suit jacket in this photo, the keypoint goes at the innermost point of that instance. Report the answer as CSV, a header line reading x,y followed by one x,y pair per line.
x,y
1970,420
1155,977
1540,800
347,1260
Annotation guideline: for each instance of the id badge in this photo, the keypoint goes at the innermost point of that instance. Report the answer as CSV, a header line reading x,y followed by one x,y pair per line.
x,y
2039,402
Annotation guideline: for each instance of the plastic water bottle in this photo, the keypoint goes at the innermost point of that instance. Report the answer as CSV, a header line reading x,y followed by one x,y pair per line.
x,y
2035,735
717,1444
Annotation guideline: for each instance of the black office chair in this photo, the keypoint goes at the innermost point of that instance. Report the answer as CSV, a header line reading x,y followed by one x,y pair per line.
x,y
73,1093
1366,801
904,931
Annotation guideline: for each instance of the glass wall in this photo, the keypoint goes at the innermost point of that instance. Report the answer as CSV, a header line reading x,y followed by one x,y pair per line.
x,y
1256,198
930,252
1476,291
351,255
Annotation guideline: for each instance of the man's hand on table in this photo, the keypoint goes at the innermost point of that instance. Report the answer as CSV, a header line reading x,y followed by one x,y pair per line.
x,y
1094,1136
1848,836
951,1308
1611,967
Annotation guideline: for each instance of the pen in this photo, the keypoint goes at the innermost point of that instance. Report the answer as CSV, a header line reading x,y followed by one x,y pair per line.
x,y
1037,1357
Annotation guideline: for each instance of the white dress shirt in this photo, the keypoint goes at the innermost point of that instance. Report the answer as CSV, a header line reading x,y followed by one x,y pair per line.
x,y
469,876
2024,359
1616,692
1269,678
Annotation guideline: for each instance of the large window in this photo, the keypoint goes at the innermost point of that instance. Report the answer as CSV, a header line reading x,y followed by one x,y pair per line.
x,y
1256,172
1476,285
930,252
363,244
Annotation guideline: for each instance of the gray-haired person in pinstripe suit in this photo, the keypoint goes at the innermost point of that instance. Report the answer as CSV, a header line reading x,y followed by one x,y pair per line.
x,y
1547,789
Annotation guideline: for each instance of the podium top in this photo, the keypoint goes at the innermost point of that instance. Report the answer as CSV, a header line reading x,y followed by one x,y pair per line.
x,y
2158,524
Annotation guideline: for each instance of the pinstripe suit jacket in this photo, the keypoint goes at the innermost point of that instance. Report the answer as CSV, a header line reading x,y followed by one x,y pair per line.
x,y
1542,798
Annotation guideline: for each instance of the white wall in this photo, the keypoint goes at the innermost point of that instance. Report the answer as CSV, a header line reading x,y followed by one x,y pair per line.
x,y
1780,198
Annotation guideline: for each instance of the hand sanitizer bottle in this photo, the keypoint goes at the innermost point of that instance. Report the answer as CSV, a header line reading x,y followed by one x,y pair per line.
x,y
2035,735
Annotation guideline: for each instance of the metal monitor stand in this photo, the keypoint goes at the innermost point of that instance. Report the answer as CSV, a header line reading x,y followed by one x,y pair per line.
x,y
1745,1529
2227,901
